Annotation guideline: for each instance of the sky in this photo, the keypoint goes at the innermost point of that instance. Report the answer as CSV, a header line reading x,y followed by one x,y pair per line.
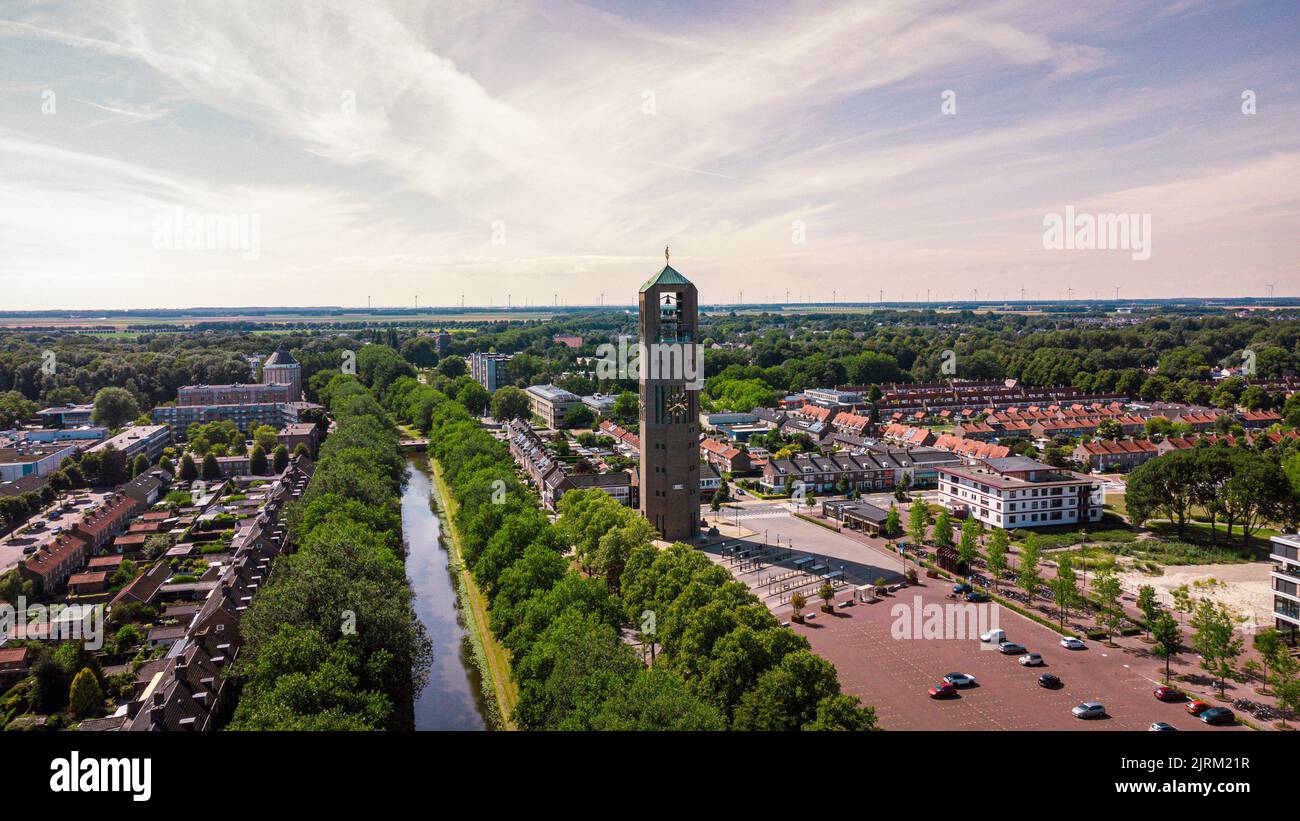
x,y
177,154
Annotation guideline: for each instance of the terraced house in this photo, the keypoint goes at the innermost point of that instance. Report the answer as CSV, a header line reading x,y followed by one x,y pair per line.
x,y
833,473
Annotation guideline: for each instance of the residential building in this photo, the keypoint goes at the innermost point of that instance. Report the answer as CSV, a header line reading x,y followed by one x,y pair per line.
x,y
1020,492
237,394
491,370
833,473
550,403
151,440
1122,454
299,433
1285,550
725,457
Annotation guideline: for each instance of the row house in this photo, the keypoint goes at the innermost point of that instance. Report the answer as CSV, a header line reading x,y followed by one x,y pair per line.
x,y
975,430
971,448
620,434
1060,427
189,689
860,471
909,435
1197,421
1258,419
852,424
1105,455
725,457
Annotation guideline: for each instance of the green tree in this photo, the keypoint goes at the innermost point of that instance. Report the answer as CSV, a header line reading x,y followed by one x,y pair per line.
x,y
1168,638
1214,637
1267,642
627,407
140,465
997,555
1285,681
509,402
1029,579
257,464
85,697
968,547
943,529
1064,586
1106,586
1148,604
189,471
280,458
211,468
918,521
114,407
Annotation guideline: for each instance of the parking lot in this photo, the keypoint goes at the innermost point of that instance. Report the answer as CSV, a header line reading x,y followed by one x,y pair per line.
x,y
16,545
894,675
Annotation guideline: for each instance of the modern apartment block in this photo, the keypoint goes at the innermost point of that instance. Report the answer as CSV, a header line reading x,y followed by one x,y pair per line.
x,y
1020,492
233,394
1286,584
491,370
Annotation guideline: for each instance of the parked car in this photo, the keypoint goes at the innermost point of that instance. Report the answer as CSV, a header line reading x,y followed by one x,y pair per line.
x,y
1071,643
1167,694
1218,715
1089,709
994,636
1161,727
962,588
977,596
1031,660
959,679
1196,706
1010,648
1049,681
943,690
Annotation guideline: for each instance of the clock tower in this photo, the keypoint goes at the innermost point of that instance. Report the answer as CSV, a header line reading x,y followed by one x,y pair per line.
x,y
671,374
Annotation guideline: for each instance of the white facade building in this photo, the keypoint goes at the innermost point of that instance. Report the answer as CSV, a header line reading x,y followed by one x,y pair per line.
x,y
1019,492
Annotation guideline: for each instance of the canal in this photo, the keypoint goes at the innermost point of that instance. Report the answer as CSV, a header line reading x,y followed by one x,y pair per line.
x,y
453,698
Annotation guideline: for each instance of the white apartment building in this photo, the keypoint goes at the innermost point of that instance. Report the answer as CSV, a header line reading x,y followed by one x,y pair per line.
x,y
1019,492
1285,550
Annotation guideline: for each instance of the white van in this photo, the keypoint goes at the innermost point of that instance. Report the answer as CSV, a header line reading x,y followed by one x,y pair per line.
x,y
994,636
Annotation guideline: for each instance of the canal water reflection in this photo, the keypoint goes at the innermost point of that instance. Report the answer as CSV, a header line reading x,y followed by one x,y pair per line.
x,y
453,698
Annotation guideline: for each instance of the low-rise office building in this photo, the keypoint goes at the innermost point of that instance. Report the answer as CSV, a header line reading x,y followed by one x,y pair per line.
x,y
150,440
35,459
550,403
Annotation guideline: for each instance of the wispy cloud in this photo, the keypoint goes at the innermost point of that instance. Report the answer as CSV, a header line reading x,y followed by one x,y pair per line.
x,y
541,148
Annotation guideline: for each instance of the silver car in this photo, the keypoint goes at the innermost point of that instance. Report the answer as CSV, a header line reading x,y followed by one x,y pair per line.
x,y
1089,709
1031,660
1010,648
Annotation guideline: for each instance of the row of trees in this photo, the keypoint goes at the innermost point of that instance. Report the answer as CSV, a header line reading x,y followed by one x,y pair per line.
x,y
1241,487
720,658
332,641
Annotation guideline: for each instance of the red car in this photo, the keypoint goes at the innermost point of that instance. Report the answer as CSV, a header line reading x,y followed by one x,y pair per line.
x,y
1196,707
1167,694
943,691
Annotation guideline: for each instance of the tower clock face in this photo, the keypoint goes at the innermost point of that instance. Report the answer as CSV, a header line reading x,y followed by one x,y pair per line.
x,y
678,405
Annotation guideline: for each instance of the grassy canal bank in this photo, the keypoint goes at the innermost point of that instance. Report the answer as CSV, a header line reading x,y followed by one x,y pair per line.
x,y
492,658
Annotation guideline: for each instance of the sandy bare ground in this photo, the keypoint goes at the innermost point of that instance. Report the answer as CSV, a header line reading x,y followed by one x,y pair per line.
x,y
1246,588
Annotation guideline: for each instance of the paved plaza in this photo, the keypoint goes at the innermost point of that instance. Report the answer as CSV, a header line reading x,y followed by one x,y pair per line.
x,y
894,675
